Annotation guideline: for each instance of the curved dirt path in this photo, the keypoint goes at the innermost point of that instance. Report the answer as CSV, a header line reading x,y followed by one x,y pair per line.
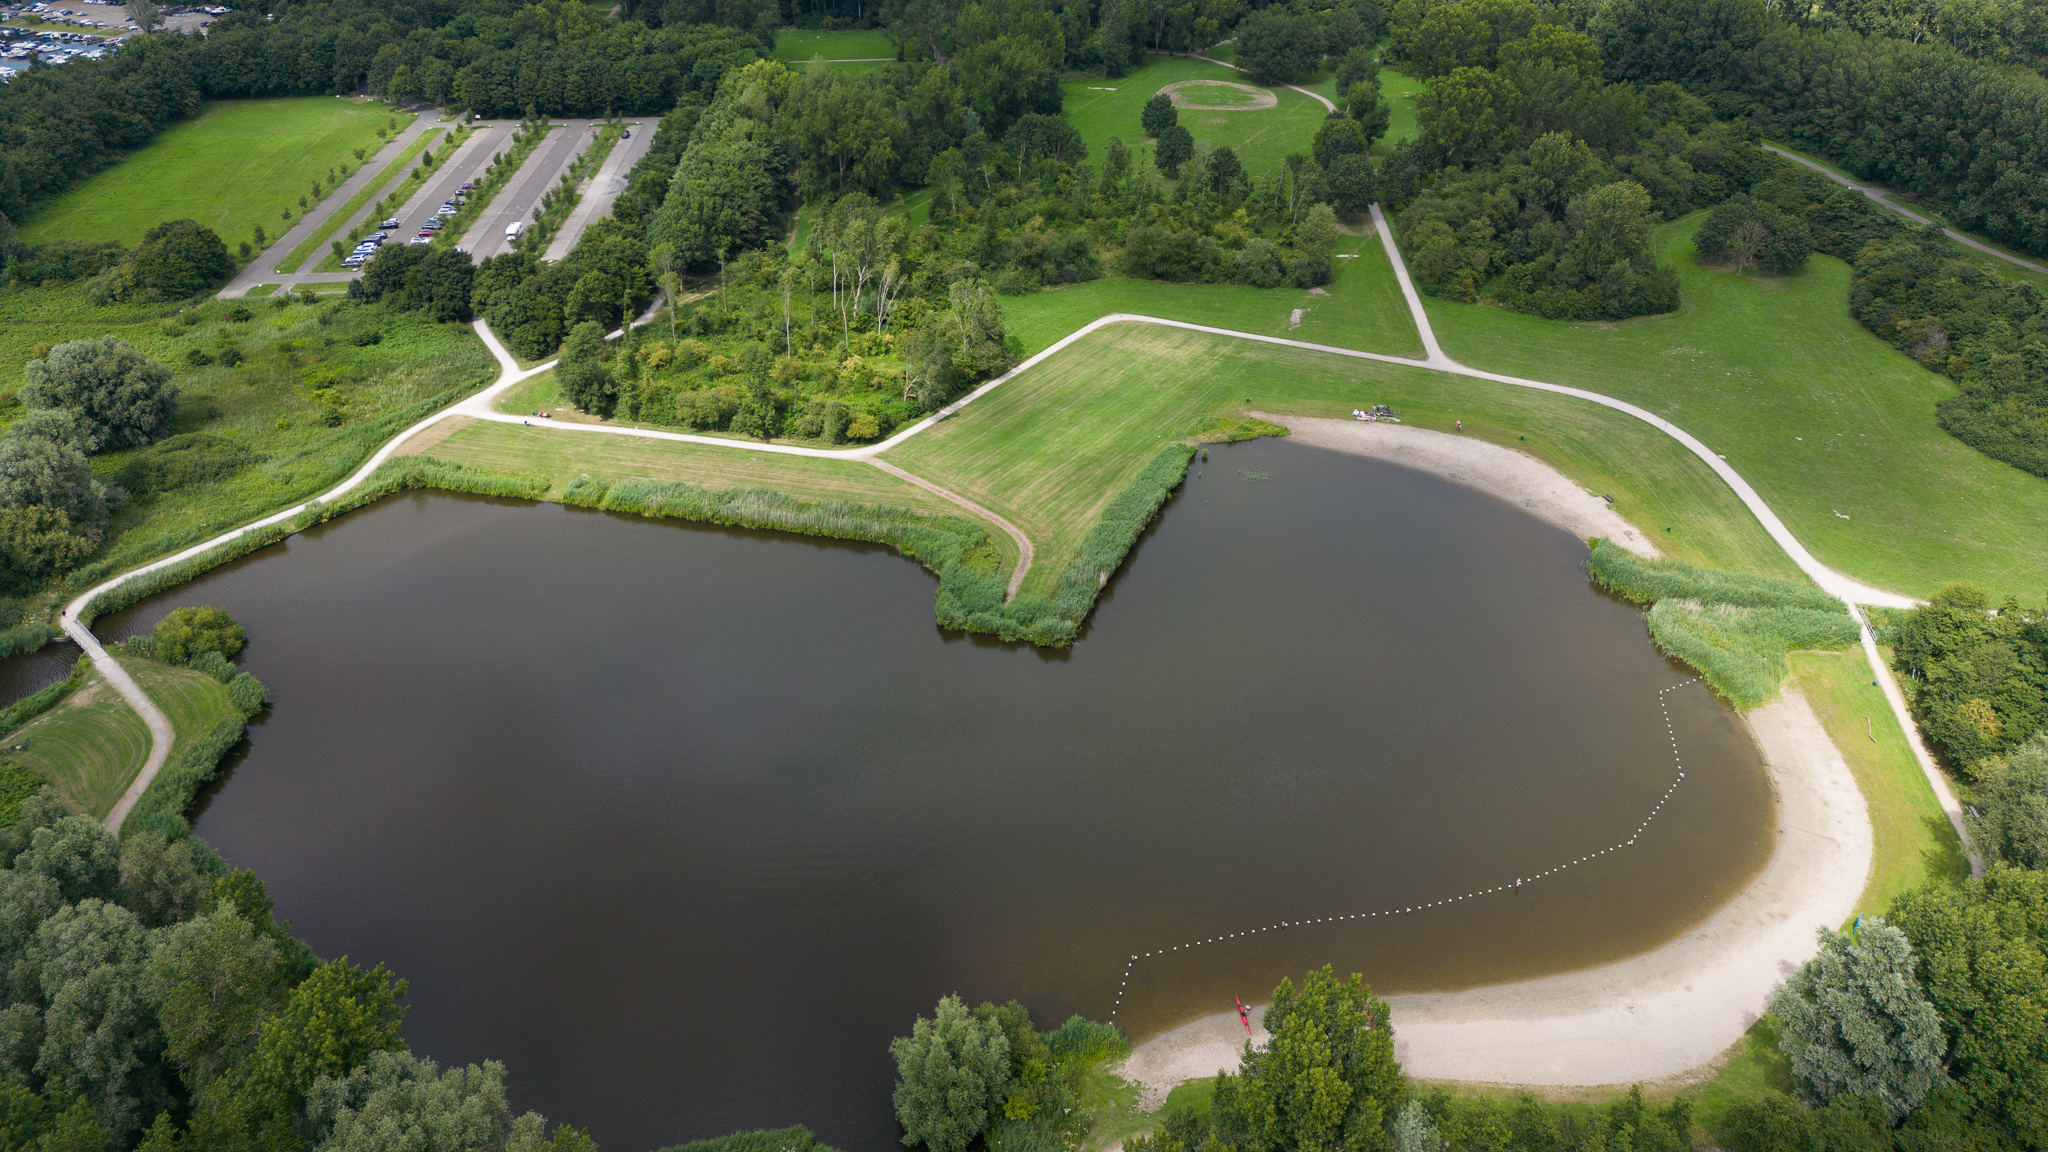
x,y
1877,196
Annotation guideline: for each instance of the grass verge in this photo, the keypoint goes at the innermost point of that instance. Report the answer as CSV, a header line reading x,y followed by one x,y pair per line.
x,y
1913,839
236,165
347,212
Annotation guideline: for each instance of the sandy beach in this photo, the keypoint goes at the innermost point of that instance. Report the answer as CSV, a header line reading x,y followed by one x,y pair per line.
x,y
1518,478
1647,1018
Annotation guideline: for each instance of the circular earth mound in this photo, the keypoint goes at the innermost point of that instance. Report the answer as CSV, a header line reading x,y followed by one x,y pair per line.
x,y
1219,96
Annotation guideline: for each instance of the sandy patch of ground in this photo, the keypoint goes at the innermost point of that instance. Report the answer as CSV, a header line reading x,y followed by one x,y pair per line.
x,y
1521,480
1657,1015
1261,99
425,441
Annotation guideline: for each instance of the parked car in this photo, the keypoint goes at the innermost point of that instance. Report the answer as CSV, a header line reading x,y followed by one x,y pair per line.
x,y
422,238
468,187
513,230
393,223
626,135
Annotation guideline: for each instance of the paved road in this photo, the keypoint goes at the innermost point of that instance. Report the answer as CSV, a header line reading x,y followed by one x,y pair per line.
x,y
600,190
263,269
520,197
1878,195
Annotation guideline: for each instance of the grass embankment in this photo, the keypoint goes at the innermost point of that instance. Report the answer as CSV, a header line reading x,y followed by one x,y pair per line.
x,y
1832,426
237,165
391,202
1262,139
795,45
348,211
1363,308
1915,843
1046,450
1735,628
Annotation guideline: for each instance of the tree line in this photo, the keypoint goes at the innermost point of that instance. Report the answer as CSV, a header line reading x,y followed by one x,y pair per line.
x,y
1914,116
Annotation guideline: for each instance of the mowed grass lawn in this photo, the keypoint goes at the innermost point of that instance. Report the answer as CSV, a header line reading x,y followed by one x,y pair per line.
x,y
563,456
92,744
1050,448
1362,308
89,747
797,45
1913,839
1835,428
1100,109
238,164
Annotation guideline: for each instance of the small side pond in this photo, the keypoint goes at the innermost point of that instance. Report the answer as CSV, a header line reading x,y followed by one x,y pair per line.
x,y
685,823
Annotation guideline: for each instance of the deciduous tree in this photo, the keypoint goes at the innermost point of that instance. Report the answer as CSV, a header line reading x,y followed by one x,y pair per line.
x,y
124,398
1854,1022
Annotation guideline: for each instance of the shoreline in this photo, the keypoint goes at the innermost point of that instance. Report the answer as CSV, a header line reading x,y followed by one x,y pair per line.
x,y
1503,473
1650,1017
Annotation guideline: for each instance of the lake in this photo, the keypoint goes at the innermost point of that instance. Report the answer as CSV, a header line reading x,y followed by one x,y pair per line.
x,y
685,823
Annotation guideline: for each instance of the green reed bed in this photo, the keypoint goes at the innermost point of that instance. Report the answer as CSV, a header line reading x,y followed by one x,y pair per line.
x,y
1735,628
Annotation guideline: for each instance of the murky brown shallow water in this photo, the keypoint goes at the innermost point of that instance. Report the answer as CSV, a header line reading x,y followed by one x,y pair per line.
x,y
685,823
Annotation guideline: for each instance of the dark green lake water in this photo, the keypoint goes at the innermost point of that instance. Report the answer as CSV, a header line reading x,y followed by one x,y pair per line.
x,y
685,823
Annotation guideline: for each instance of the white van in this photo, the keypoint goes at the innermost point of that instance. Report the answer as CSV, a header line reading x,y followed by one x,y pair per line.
x,y
513,230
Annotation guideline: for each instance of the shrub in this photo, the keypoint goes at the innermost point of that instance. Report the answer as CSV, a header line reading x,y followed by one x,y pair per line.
x,y
248,694
188,633
215,665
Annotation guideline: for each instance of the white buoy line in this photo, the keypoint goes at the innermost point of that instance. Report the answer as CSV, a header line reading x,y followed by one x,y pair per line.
x,y
1520,882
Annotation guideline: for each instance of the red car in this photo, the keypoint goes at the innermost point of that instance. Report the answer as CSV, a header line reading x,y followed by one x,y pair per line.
x,y
467,187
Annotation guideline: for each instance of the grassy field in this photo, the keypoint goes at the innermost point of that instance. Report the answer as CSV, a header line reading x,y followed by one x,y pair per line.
x,y
1399,92
1363,309
1914,841
1048,449
89,747
795,44
237,165
1101,109
347,212
1833,427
